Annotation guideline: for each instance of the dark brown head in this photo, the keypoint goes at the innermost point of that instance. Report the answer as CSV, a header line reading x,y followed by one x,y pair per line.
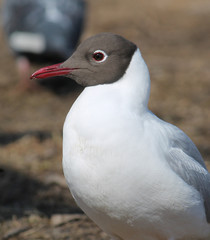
x,y
100,59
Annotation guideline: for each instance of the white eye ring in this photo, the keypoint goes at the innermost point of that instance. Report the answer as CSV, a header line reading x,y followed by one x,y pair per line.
x,y
99,56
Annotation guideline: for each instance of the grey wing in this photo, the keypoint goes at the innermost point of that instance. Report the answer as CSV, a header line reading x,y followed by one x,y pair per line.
x,y
185,159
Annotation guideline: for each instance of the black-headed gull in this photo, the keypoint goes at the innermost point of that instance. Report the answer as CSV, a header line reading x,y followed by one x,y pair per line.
x,y
135,175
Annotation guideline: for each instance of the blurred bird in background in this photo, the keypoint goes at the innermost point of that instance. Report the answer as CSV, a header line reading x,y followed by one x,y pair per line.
x,y
41,30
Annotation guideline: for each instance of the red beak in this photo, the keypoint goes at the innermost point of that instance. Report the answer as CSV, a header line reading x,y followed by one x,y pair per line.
x,y
51,71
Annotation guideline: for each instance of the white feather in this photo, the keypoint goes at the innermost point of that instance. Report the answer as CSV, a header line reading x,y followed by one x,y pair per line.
x,y
114,160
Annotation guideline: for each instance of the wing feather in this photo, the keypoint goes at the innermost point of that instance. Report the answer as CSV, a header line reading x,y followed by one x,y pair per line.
x,y
185,159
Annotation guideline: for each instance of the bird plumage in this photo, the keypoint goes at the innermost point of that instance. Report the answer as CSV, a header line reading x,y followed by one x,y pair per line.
x,y
114,167
135,175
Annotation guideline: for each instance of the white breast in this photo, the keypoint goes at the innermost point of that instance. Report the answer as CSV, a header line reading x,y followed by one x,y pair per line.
x,y
116,171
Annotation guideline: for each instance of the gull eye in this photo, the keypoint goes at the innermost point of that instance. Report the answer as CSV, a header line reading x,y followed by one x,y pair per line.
x,y
99,56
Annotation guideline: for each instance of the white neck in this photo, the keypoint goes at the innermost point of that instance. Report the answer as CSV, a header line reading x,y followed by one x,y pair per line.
x,y
101,109
135,84
131,91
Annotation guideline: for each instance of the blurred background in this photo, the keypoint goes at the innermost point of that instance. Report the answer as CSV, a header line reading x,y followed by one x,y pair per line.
x,y
174,38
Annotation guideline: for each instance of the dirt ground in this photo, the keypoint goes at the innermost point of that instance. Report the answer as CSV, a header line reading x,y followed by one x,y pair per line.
x,y
174,38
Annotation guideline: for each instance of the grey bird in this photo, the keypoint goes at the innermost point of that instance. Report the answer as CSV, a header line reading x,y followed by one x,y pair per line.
x,y
42,30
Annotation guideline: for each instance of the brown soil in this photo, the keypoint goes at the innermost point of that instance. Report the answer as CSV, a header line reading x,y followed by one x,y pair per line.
x,y
173,36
